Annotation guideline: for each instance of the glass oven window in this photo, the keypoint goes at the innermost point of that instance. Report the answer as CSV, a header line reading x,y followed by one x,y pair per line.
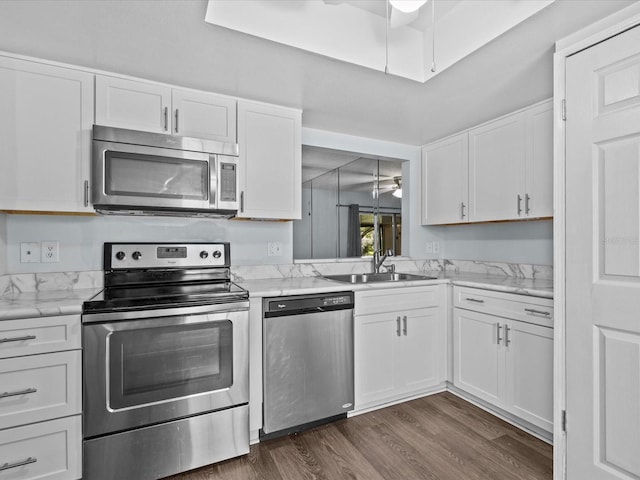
x,y
138,175
159,363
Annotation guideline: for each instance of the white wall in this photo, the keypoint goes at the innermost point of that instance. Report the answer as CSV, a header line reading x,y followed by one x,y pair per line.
x,y
513,242
3,244
81,238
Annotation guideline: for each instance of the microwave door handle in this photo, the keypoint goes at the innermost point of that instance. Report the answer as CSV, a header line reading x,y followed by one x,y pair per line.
x,y
213,181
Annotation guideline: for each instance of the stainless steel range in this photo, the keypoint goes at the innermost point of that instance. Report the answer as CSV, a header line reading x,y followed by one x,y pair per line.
x,y
165,362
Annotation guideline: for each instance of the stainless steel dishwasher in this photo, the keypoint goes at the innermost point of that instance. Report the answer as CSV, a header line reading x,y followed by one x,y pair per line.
x,y
307,361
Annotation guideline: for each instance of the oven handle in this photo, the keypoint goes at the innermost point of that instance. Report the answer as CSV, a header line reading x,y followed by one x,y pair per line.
x,y
165,312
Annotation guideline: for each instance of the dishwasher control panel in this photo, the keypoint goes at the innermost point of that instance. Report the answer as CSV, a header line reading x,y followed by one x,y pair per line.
x,y
308,303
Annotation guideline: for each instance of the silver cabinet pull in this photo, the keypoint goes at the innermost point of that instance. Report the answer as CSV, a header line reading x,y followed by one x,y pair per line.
x,y
527,198
176,127
17,339
18,393
519,205
537,312
506,335
7,466
398,326
469,299
498,337
241,202
166,118
462,207
404,329
86,193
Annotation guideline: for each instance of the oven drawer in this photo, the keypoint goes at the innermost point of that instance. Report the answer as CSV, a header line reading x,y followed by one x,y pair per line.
x,y
43,451
28,336
39,387
525,308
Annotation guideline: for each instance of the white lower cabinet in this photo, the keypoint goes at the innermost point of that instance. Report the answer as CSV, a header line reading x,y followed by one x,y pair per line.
x,y
40,398
401,350
44,451
505,362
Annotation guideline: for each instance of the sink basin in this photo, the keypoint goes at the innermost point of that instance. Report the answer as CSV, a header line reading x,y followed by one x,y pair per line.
x,y
377,277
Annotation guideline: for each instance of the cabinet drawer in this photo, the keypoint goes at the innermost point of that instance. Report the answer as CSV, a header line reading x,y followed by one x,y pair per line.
x,y
39,387
393,299
28,336
43,451
529,309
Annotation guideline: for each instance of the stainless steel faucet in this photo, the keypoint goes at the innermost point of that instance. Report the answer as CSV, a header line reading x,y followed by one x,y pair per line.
x,y
377,261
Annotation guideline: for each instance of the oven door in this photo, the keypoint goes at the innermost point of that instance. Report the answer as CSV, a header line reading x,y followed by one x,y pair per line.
x,y
169,364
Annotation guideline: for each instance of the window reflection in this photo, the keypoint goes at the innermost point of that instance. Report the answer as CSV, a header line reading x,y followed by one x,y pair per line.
x,y
343,195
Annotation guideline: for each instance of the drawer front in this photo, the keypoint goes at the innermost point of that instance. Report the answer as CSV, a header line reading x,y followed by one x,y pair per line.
x,y
28,336
39,387
394,299
538,311
43,451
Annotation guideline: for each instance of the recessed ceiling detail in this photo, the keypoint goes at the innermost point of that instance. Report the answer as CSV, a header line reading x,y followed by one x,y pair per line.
x,y
355,31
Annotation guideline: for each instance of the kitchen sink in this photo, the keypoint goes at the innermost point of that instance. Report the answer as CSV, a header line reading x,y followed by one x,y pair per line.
x,y
378,277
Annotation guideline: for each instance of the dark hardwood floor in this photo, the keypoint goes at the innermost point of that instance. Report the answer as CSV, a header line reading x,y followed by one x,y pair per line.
x,y
440,437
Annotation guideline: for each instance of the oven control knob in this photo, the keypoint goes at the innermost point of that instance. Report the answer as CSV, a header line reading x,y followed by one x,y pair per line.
x,y
217,254
120,255
203,254
136,255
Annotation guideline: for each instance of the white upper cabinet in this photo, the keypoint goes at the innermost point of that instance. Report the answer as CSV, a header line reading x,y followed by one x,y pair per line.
x,y
203,115
270,144
45,136
497,169
445,181
131,104
539,161
501,170
152,107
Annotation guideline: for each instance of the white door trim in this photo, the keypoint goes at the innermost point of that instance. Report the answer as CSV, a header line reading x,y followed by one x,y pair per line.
x,y
587,37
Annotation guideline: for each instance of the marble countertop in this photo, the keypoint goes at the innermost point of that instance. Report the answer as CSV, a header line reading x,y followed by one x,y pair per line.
x,y
45,304
272,287
69,302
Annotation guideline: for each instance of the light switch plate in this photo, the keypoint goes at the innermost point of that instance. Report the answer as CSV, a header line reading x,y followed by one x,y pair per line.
x,y
30,252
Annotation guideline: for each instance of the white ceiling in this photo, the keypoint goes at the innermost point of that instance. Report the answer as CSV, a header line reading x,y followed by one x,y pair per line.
x,y
169,41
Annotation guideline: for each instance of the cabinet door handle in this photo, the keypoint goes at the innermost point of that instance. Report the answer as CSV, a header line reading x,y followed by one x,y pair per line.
x,y
7,466
176,127
26,391
536,312
469,299
166,118
86,193
398,326
17,339
241,202
498,337
519,205
527,198
462,207
506,335
404,329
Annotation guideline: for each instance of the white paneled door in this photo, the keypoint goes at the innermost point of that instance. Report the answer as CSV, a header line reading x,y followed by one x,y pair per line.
x,y
603,260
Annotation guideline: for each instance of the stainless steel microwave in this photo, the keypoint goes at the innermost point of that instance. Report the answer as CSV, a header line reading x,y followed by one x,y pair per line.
x,y
154,174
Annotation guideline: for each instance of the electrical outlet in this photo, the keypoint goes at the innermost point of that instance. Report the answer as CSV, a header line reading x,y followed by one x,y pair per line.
x,y
436,247
30,252
274,249
429,247
50,251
